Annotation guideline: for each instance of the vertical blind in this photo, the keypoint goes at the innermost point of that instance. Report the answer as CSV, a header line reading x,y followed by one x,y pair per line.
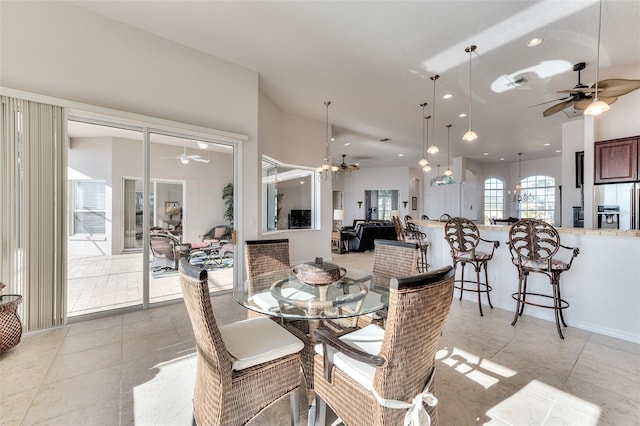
x,y
32,226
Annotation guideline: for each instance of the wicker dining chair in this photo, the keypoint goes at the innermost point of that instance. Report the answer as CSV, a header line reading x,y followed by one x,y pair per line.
x,y
535,248
236,381
396,364
262,256
390,259
463,237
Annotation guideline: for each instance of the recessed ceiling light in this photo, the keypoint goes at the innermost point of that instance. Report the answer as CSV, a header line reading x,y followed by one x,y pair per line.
x,y
202,145
462,115
501,158
547,144
333,139
400,155
558,150
347,144
447,96
486,153
534,41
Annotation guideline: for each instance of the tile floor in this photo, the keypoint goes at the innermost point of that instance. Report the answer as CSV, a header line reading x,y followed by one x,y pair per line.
x,y
138,369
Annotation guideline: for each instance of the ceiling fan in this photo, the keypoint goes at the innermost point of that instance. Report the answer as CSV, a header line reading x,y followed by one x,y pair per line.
x,y
347,167
185,159
582,95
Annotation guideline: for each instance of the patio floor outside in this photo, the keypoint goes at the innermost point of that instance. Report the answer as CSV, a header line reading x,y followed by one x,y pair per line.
x,y
99,283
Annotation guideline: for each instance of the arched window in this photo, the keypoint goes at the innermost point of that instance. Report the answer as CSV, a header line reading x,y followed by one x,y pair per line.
x,y
540,199
493,199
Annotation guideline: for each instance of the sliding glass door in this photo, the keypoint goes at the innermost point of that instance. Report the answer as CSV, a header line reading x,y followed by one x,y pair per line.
x,y
140,200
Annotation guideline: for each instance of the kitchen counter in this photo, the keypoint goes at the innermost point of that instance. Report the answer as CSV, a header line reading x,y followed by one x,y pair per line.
x,y
561,230
602,287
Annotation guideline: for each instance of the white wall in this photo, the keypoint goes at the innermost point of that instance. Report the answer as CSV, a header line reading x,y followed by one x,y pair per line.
x,y
296,140
60,50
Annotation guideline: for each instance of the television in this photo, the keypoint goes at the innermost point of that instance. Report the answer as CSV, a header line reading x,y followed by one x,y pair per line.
x,y
300,219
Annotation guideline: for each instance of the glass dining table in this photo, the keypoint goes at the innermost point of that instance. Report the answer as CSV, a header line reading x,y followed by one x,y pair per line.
x,y
281,294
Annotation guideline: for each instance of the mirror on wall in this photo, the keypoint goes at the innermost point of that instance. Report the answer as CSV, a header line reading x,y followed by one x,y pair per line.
x,y
288,196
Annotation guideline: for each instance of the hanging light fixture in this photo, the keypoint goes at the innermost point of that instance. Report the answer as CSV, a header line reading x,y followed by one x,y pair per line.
x,y
518,195
597,107
423,161
433,149
426,167
470,136
448,172
438,179
327,169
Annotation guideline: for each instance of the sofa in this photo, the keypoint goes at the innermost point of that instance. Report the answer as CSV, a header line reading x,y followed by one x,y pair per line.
x,y
363,234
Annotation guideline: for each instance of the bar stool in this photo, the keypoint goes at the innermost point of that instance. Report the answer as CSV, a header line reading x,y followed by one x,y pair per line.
x,y
463,237
412,234
533,244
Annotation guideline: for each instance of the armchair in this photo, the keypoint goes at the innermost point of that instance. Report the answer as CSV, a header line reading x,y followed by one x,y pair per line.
x,y
387,373
168,247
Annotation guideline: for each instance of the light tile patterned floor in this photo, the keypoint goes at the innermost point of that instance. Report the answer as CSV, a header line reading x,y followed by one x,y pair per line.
x,y
138,369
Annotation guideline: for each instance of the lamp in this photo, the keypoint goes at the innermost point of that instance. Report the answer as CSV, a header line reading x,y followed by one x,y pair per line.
x,y
438,180
405,204
597,107
433,149
339,216
359,204
427,167
470,136
327,169
423,162
518,195
448,172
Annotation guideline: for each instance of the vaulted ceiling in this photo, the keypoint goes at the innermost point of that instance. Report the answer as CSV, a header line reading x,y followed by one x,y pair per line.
x,y
373,61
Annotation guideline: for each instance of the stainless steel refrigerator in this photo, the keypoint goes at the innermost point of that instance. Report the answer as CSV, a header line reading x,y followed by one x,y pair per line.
x,y
617,206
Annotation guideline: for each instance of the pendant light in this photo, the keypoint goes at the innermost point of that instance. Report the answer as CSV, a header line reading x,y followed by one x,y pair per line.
x,y
470,136
427,167
597,107
423,161
327,169
433,149
448,172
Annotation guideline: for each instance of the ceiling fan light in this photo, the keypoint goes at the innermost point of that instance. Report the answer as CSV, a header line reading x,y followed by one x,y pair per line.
x,y
470,136
597,107
423,162
426,168
184,159
448,172
433,149
335,168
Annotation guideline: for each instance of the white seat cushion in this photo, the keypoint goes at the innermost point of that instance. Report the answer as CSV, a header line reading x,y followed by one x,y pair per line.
x,y
268,303
257,340
367,339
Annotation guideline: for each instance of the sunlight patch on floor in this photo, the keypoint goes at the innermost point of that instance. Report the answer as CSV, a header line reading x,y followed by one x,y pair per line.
x,y
482,371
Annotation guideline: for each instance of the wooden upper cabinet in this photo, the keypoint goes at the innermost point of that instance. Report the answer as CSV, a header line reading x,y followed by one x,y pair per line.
x,y
616,160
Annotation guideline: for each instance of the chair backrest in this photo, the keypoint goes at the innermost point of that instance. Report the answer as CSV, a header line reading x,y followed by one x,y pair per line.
x,y
209,343
533,239
162,244
397,223
407,218
394,259
418,308
425,217
262,256
461,234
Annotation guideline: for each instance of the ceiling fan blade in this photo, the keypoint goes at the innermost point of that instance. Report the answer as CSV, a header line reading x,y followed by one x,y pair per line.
x,y
579,90
616,87
557,108
200,159
582,105
548,102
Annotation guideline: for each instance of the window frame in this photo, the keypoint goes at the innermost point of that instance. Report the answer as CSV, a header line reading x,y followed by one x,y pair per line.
x,y
499,195
75,183
532,184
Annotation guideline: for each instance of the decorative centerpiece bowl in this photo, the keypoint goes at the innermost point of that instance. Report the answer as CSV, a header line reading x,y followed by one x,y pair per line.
x,y
318,272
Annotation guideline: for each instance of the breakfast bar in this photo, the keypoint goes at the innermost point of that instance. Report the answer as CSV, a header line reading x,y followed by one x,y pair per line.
x,y
602,287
